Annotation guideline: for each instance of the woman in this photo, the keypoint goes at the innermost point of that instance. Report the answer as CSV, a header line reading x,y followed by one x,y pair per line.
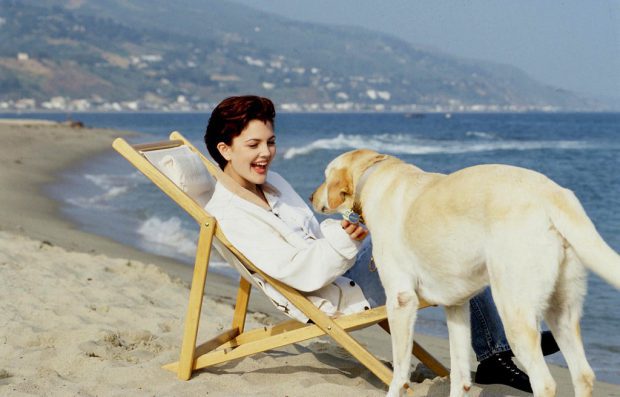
x,y
266,219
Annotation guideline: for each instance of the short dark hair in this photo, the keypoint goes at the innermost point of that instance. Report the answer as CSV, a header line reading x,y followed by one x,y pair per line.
x,y
232,116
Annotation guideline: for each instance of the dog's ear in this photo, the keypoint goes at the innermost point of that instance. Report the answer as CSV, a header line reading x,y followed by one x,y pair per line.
x,y
363,159
376,159
339,186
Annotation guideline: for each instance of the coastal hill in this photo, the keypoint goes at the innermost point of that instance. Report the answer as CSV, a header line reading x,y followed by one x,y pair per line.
x,y
156,54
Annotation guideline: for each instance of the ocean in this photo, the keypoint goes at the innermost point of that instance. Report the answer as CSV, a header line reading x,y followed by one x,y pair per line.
x,y
580,151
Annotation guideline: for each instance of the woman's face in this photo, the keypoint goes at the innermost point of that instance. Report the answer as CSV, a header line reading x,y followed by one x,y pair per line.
x,y
250,154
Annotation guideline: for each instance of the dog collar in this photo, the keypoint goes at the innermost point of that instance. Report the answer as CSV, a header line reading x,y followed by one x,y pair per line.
x,y
351,214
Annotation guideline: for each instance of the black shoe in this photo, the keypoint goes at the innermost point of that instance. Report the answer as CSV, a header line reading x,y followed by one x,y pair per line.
x,y
547,344
499,369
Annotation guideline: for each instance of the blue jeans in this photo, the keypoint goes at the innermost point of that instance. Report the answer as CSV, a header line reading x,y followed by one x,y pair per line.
x,y
487,331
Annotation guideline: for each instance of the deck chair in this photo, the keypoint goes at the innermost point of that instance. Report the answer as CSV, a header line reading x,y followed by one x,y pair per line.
x,y
237,342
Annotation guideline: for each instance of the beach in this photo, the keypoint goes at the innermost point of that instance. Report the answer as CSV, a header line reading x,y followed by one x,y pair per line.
x,y
84,315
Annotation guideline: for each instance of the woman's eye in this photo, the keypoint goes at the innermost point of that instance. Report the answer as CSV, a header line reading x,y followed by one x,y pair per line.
x,y
254,146
272,143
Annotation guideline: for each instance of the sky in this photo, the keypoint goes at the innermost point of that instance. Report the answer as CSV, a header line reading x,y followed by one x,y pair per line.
x,y
572,44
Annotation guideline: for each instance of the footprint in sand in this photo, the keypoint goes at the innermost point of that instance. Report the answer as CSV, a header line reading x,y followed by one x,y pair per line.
x,y
129,346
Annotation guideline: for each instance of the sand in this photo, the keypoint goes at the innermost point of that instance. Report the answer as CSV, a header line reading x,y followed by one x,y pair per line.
x,y
83,315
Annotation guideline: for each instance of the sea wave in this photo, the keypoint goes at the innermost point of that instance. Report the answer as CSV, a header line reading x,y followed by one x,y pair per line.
x,y
481,134
108,187
168,234
109,181
100,200
402,144
171,238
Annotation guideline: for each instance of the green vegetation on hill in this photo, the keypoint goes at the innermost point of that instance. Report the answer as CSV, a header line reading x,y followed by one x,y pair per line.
x,y
203,50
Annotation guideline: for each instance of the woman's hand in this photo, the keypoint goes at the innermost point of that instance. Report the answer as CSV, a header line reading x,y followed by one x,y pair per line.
x,y
354,230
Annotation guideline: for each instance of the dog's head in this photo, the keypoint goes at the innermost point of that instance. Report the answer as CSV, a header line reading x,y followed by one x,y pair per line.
x,y
337,193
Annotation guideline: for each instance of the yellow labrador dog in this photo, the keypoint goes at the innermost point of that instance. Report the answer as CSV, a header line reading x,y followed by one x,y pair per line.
x,y
446,237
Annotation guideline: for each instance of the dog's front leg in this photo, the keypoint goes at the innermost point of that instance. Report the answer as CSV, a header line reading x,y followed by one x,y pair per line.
x,y
459,332
402,306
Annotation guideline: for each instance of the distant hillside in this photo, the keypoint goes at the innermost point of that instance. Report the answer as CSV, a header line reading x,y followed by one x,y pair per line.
x,y
153,51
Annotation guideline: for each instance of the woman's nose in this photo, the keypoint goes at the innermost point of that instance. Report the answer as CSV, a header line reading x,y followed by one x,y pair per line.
x,y
264,150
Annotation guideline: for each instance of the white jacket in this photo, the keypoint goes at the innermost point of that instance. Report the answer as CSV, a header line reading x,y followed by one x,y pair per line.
x,y
287,242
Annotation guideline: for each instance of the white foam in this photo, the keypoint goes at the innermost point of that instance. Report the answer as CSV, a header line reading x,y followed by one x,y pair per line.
x,y
108,181
403,144
169,237
110,185
334,143
481,134
100,200
168,233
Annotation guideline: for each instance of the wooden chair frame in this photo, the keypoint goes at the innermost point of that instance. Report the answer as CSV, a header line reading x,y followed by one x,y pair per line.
x,y
236,342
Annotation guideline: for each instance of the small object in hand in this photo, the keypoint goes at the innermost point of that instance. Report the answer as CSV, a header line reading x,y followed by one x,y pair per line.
x,y
351,216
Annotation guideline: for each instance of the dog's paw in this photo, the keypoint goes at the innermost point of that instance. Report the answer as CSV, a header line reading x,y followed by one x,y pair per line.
x,y
460,392
403,391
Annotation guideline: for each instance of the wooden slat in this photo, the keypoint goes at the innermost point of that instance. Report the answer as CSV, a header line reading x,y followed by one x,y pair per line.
x,y
350,323
429,360
260,333
207,346
147,147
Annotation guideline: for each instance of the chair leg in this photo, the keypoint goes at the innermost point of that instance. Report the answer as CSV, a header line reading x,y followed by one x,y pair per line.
x,y
192,319
421,354
241,307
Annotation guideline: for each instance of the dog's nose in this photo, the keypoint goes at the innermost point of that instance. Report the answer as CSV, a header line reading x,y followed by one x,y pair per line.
x,y
311,196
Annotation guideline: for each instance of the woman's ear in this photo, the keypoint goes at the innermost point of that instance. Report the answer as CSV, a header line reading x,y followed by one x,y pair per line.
x,y
224,150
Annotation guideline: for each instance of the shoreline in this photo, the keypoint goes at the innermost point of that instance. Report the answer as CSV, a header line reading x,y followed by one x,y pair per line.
x,y
29,211
38,216
281,111
33,155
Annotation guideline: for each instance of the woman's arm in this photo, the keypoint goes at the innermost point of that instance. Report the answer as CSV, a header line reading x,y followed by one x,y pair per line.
x,y
306,267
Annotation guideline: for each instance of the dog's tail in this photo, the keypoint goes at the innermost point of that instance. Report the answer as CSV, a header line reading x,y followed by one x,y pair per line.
x,y
569,217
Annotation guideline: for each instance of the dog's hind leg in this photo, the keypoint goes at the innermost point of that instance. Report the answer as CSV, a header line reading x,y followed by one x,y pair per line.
x,y
402,305
459,332
563,315
523,266
521,326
